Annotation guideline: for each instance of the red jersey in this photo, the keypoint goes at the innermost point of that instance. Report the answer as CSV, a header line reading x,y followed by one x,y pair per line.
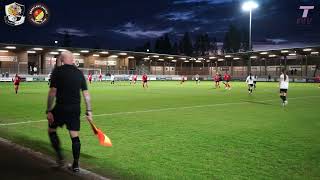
x,y
135,77
144,78
17,80
216,78
100,76
227,77
90,77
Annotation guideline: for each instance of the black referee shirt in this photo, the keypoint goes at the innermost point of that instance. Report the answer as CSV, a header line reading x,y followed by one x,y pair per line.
x,y
68,80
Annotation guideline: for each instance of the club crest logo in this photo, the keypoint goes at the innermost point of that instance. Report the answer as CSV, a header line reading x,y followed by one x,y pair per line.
x,y
38,14
14,14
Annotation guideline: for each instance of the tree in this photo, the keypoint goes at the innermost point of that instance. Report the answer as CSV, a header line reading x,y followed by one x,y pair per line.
x,y
163,45
66,39
186,45
147,47
167,44
157,46
214,46
144,47
232,40
206,44
197,45
245,40
175,48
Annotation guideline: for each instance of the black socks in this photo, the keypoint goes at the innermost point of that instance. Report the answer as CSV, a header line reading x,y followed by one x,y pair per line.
x,y
76,145
284,98
56,144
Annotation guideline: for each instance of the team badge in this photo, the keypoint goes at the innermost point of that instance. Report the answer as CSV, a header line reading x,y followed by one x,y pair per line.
x,y
38,14
14,14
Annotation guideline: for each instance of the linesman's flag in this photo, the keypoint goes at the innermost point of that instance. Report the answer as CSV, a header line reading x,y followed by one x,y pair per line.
x,y
103,139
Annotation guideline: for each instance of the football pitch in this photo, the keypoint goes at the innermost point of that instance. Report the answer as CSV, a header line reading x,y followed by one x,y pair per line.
x,y
189,131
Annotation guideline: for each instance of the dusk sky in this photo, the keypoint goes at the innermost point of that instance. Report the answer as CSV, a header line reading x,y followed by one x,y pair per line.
x,y
125,24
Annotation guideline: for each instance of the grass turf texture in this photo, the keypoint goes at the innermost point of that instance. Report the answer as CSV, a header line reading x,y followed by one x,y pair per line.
x,y
253,137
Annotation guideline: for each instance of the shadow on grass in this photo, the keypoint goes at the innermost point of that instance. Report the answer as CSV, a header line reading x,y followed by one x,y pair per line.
x,y
38,145
257,102
89,162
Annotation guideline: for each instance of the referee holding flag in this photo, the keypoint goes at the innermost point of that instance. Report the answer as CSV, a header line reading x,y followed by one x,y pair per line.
x,y
66,83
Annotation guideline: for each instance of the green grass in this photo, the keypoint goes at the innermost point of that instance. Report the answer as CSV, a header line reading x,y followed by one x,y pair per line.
x,y
221,135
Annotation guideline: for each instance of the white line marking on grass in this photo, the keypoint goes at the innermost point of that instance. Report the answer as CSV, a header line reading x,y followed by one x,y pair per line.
x,y
164,109
24,122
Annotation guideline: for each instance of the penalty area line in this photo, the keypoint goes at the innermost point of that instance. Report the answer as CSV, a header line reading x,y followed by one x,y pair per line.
x,y
163,109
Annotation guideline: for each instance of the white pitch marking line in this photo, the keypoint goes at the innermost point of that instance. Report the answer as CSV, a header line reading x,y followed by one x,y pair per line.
x,y
159,110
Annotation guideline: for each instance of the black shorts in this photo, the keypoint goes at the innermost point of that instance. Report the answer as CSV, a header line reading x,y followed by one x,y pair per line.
x,y
145,81
254,82
217,81
250,85
68,115
283,90
227,81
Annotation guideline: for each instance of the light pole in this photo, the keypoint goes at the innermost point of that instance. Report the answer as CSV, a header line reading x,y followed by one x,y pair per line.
x,y
249,6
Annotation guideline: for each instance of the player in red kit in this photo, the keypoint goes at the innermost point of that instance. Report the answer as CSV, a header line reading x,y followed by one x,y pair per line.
x,y
90,78
134,79
100,77
16,82
144,80
227,79
216,78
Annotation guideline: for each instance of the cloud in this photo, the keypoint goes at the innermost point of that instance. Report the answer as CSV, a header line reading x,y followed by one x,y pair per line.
x,y
72,32
202,1
178,16
128,25
277,40
136,32
289,45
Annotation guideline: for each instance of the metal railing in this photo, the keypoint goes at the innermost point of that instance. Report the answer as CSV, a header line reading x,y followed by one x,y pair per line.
x,y
262,72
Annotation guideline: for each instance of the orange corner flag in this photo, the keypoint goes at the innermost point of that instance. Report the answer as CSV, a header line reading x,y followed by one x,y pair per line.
x,y
103,139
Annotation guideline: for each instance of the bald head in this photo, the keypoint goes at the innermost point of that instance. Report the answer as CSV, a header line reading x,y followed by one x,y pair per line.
x,y
66,57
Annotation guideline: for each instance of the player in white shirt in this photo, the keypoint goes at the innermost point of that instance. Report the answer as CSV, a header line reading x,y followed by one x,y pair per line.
x,y
112,78
49,78
255,82
250,82
197,78
284,86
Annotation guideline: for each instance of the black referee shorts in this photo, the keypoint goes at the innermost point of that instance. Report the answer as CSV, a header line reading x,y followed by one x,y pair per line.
x,y
283,90
68,115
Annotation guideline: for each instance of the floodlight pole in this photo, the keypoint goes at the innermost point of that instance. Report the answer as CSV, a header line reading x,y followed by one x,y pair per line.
x,y
250,41
250,31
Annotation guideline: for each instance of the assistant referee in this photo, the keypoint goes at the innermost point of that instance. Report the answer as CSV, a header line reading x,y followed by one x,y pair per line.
x,y
66,83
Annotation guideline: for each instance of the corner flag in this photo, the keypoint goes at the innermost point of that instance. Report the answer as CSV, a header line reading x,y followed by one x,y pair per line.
x,y
103,139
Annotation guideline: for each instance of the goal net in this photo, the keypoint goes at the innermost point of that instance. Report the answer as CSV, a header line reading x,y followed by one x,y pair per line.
x,y
93,71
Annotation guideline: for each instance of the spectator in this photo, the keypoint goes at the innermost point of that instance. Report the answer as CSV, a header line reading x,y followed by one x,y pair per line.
x,y
35,70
